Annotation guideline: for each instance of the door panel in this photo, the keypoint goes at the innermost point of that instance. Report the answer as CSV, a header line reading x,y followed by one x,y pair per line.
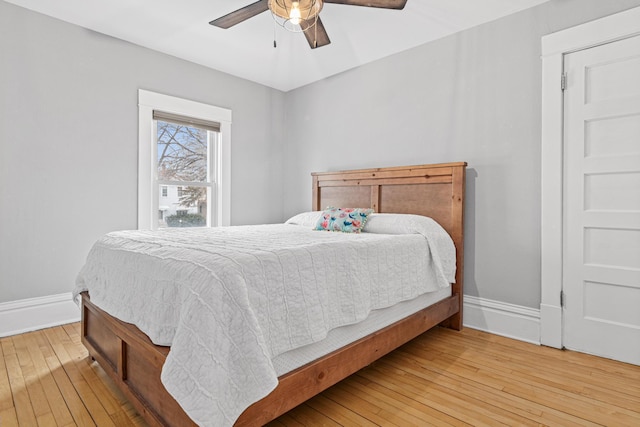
x,y
613,78
601,250
610,136
628,301
612,191
612,247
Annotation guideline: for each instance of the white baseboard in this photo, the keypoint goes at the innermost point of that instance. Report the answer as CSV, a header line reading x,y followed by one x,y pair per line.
x,y
551,325
31,314
509,320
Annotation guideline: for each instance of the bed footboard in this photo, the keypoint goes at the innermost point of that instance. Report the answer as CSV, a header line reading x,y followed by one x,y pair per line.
x,y
135,363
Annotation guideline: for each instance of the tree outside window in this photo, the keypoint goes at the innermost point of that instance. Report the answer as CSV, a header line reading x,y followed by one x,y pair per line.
x,y
183,168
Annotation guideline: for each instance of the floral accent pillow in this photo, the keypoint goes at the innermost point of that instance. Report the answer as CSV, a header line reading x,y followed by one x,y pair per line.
x,y
347,220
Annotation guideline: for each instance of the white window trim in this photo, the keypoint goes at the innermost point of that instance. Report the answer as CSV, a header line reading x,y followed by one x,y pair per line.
x,y
554,47
147,174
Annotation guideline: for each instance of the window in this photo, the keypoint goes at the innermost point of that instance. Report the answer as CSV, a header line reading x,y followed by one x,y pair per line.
x,y
184,159
186,150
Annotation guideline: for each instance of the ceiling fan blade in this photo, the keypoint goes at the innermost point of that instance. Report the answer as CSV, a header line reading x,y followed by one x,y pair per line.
x,y
240,15
384,4
316,35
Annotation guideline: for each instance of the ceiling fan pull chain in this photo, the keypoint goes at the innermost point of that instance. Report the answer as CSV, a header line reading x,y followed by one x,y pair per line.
x,y
315,33
275,45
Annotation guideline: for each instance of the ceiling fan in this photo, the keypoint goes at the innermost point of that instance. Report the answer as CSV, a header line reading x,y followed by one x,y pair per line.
x,y
299,15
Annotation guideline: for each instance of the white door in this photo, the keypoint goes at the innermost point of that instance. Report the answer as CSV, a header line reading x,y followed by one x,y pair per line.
x,y
601,250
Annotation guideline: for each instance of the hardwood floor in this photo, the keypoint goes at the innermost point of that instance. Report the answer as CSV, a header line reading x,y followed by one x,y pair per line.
x,y
441,378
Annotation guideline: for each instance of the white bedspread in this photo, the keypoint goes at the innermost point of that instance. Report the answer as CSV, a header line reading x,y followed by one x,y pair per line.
x,y
229,299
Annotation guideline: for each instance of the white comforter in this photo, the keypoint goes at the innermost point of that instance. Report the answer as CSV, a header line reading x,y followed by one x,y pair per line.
x,y
229,299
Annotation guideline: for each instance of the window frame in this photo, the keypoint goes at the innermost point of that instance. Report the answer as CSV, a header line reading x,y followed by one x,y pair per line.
x,y
148,197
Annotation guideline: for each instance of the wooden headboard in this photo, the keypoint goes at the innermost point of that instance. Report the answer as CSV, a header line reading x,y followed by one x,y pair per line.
x,y
436,191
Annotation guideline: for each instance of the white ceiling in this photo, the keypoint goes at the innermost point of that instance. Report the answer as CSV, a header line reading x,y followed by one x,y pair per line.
x,y
358,34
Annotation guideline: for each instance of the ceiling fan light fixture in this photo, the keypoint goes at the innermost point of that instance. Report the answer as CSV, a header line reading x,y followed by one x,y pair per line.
x,y
295,16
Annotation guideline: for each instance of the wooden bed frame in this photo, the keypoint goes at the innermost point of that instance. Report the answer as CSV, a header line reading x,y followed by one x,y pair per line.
x,y
135,363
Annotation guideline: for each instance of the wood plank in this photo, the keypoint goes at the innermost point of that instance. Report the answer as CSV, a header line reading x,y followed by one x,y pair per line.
x,y
73,330
31,374
555,374
513,382
47,420
382,174
21,399
6,399
431,403
55,400
357,404
59,342
9,418
338,413
308,416
591,366
413,199
392,410
375,198
72,395
443,179
405,382
395,171
457,384
407,391
357,197
287,420
79,412
457,234
315,195
131,412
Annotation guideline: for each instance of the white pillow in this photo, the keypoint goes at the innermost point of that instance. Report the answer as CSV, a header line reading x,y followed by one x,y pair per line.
x,y
390,223
444,251
305,219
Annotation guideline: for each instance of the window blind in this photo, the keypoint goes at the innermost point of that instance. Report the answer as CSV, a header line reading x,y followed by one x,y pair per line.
x,y
186,121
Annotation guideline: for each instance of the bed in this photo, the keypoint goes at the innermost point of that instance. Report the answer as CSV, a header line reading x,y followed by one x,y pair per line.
x,y
437,191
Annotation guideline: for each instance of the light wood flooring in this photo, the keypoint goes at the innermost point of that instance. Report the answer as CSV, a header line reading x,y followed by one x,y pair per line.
x,y
441,378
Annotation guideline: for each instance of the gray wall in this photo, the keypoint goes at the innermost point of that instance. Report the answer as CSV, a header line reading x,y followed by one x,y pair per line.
x,y
69,141
68,138
474,96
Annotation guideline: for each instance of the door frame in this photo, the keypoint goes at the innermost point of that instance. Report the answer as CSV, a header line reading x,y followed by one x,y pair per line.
x,y
554,47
